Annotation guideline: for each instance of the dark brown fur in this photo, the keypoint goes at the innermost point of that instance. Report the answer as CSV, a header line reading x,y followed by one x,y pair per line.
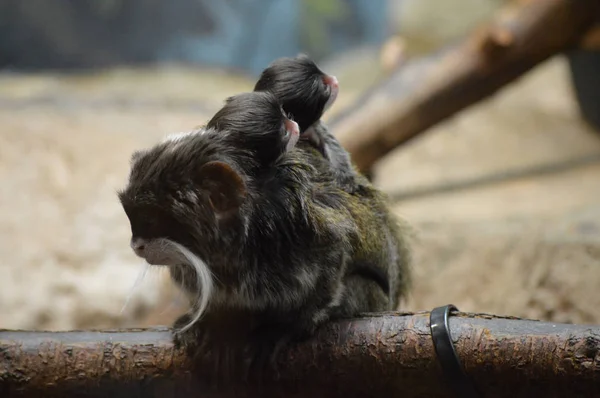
x,y
287,247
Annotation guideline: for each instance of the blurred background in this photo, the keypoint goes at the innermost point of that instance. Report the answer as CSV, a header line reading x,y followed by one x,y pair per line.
x,y
85,83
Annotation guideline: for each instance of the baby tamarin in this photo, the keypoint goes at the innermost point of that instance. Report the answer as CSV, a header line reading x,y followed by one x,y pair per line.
x,y
306,93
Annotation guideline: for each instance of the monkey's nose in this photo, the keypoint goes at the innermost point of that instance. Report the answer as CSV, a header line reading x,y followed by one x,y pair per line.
x,y
331,81
292,127
138,246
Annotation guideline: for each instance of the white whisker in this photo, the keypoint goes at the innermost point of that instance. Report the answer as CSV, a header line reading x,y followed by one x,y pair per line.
x,y
177,297
204,282
137,282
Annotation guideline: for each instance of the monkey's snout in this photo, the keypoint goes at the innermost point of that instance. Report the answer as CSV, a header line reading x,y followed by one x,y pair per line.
x,y
331,81
292,127
334,88
138,245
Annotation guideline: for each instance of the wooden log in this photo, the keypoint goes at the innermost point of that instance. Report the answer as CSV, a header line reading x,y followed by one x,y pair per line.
x,y
389,354
428,90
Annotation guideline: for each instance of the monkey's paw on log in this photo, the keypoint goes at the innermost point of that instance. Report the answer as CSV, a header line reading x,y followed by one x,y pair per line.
x,y
235,349
388,354
214,347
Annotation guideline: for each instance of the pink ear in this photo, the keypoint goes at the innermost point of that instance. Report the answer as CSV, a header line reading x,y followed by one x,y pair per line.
x,y
226,188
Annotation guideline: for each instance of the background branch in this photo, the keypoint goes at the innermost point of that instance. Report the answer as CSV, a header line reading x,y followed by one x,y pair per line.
x,y
425,91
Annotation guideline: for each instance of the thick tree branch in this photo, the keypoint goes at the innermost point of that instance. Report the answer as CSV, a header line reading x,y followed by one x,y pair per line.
x,y
426,91
378,355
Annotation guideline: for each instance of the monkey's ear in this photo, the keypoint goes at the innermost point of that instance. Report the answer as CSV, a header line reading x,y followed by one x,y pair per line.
x,y
225,187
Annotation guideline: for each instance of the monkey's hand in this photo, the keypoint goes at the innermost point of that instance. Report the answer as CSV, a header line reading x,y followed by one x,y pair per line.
x,y
218,357
191,339
266,343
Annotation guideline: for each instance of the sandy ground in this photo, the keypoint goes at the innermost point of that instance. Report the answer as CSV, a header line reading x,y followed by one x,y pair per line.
x,y
529,247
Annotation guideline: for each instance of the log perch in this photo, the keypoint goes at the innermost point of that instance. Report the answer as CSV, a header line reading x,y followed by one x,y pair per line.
x,y
388,354
428,90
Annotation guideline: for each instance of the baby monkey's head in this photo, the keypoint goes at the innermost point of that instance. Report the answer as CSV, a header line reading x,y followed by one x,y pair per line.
x,y
256,122
304,90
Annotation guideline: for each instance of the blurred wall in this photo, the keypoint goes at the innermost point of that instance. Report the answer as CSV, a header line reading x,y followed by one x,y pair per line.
x,y
244,34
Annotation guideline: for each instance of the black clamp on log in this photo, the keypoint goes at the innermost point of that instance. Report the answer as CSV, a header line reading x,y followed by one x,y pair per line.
x,y
444,349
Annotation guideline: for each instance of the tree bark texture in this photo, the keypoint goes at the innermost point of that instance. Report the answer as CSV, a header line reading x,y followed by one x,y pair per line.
x,y
388,355
425,91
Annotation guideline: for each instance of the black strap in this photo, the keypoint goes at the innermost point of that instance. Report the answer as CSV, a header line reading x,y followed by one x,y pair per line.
x,y
444,348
